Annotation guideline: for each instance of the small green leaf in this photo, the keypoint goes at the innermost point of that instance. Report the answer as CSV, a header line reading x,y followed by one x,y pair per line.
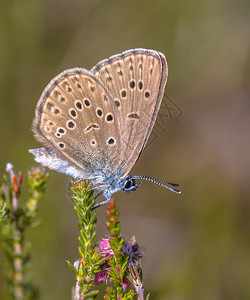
x,y
92,294
71,267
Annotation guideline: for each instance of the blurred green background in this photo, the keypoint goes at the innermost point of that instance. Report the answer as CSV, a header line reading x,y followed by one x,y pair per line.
x,y
196,245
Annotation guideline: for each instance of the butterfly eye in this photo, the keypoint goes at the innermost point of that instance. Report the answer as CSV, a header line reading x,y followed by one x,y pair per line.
x,y
130,185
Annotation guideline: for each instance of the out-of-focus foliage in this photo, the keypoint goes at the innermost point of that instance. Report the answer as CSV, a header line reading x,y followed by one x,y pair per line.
x,y
15,219
196,244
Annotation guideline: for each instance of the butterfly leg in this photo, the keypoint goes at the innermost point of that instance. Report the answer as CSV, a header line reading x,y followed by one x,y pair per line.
x,y
100,204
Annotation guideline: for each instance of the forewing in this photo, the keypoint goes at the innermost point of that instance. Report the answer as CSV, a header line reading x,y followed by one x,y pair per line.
x,y
136,80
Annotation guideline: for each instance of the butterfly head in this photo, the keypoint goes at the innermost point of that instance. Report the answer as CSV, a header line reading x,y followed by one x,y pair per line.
x,y
111,184
114,184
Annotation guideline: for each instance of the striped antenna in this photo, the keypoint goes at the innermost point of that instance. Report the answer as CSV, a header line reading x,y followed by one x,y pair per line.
x,y
160,182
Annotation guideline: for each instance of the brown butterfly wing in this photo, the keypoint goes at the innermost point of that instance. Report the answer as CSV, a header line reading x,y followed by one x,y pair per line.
x,y
136,80
76,117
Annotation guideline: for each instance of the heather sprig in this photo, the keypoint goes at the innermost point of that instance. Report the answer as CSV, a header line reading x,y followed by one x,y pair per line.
x,y
112,260
87,266
122,259
118,261
15,219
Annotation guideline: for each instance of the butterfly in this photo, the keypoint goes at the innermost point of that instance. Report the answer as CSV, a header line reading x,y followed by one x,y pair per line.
x,y
95,124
